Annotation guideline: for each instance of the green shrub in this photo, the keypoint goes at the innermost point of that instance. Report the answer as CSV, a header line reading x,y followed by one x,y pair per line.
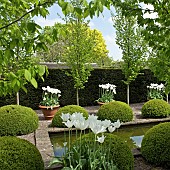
x,y
57,121
155,145
114,111
119,152
16,153
17,120
155,108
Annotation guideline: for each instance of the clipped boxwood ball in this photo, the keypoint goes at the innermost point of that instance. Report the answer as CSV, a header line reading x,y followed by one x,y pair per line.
x,y
119,153
17,120
57,121
155,108
19,154
155,145
114,111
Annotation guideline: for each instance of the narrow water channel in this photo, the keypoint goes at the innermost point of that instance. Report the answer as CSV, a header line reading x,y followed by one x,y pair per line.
x,y
133,135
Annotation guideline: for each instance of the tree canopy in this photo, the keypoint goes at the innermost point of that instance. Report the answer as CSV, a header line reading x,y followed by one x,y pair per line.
x,y
19,31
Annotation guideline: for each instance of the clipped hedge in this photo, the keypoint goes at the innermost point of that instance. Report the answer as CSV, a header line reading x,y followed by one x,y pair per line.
x,y
119,153
115,110
57,121
17,120
19,154
155,145
58,79
155,108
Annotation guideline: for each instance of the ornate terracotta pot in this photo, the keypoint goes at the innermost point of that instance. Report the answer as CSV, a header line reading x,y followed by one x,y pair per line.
x,y
48,111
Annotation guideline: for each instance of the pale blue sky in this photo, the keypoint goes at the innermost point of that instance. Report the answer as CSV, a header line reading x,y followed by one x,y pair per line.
x,y
102,23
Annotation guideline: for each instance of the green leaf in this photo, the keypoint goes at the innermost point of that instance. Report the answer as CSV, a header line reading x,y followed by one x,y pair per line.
x,y
12,44
100,7
86,12
31,27
34,82
55,161
27,75
78,10
41,70
25,90
13,82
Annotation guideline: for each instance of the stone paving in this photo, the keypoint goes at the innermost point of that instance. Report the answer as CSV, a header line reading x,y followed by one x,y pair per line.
x,y
41,137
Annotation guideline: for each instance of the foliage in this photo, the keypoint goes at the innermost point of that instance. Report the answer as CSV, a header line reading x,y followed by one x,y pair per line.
x,y
100,52
19,41
155,145
50,97
58,79
132,44
57,44
155,108
115,110
155,17
16,153
17,120
120,153
94,151
57,121
155,91
106,92
79,50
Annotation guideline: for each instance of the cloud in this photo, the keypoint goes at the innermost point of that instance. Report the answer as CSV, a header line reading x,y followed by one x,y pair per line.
x,y
47,22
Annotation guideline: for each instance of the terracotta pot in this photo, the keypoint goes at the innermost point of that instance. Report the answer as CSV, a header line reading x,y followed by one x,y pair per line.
x,y
100,103
48,112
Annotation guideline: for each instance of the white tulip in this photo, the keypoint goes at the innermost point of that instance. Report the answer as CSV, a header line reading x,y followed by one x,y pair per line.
x,y
101,139
111,129
44,89
65,117
65,144
98,128
69,123
106,123
117,124
80,124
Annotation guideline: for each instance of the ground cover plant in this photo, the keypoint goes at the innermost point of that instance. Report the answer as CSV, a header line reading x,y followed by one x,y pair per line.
x,y
17,120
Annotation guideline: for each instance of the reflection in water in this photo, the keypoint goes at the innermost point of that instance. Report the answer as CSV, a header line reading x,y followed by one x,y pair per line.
x,y
131,135
137,140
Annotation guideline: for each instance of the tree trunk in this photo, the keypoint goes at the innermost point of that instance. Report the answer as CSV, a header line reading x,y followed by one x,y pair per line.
x,y
17,98
167,98
77,93
128,94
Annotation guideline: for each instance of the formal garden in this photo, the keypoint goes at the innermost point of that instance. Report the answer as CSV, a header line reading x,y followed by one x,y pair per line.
x,y
66,104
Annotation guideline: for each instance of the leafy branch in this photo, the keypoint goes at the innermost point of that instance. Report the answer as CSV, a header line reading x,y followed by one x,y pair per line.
x,y
30,11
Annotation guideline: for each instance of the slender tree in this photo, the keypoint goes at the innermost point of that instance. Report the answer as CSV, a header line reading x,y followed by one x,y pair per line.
x,y
79,48
132,44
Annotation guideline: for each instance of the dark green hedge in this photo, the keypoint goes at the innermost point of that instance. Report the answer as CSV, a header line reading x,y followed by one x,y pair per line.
x,y
58,79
